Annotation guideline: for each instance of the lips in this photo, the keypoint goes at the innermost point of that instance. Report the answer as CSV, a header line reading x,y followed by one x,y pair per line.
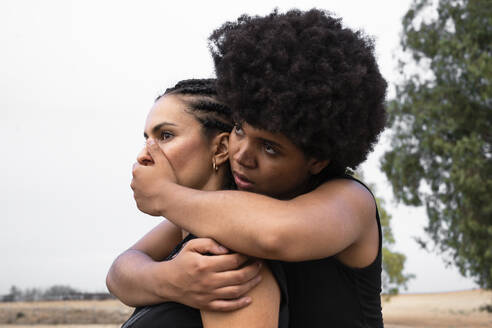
x,y
242,182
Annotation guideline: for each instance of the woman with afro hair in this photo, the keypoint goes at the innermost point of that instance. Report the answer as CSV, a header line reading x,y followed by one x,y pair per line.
x,y
308,103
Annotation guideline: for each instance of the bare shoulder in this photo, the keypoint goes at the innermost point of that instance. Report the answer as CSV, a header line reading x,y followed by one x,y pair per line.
x,y
340,213
358,201
349,192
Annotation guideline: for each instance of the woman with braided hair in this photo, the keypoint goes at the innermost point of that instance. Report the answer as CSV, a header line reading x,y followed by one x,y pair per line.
x,y
192,128
307,99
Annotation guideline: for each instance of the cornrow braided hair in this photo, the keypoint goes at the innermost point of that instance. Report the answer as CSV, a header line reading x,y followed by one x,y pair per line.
x,y
200,96
211,122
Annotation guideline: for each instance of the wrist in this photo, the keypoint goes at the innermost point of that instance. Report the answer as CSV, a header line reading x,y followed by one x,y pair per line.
x,y
156,278
162,277
165,198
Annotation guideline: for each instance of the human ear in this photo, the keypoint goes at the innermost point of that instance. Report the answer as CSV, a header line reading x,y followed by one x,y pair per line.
x,y
221,148
317,165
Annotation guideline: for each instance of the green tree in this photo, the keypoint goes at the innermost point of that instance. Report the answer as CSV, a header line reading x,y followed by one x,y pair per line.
x,y
441,120
60,292
15,294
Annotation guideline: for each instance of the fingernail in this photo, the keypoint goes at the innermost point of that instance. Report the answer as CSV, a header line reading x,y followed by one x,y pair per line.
x,y
150,141
247,300
258,264
223,249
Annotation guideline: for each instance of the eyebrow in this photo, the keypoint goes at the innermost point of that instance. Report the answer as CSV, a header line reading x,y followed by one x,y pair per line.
x,y
156,128
272,142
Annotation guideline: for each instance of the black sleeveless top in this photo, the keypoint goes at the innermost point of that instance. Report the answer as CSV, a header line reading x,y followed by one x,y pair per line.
x,y
327,293
317,293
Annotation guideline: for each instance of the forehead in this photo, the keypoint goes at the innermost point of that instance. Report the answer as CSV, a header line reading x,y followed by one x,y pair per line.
x,y
277,137
170,109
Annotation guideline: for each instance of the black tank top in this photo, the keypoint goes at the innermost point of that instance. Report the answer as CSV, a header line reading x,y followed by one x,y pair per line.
x,y
318,293
327,293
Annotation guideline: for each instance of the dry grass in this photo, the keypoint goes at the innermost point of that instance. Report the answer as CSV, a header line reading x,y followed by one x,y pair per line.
x,y
455,309
449,310
64,312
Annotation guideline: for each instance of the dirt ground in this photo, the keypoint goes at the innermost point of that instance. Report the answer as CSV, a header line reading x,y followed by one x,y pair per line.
x,y
442,310
449,310
64,312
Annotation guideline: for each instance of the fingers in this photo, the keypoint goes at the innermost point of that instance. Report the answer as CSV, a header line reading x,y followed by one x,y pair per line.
x,y
237,277
206,246
229,305
233,297
227,269
155,151
237,291
226,262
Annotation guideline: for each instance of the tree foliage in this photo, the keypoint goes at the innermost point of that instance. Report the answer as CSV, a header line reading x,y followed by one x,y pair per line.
x,y
441,122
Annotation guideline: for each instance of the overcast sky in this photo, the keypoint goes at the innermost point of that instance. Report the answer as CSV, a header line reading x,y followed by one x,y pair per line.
x,y
77,80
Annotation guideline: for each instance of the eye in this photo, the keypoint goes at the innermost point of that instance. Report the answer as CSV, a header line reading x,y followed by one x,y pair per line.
x,y
269,149
165,135
238,129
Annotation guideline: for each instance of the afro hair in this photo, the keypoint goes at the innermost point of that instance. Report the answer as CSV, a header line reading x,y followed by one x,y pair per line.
x,y
304,75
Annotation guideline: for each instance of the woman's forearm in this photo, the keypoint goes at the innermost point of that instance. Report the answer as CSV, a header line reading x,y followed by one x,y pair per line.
x,y
131,279
192,277
244,222
315,225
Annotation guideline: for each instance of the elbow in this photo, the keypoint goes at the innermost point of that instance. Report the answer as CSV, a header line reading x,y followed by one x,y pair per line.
x,y
113,290
112,286
110,280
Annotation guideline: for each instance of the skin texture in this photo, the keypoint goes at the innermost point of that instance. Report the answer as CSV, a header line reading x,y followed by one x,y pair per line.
x,y
261,161
180,135
341,213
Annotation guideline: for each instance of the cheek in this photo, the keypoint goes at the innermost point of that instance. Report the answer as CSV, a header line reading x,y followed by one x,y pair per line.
x,y
285,175
233,145
186,154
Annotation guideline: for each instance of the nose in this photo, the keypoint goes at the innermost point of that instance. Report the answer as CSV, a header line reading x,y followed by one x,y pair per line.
x,y
245,155
144,157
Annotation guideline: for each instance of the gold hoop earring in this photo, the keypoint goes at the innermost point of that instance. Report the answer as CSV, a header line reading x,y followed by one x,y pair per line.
x,y
214,165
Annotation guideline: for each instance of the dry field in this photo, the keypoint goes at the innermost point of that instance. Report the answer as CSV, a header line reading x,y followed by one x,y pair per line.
x,y
105,313
443,310
440,310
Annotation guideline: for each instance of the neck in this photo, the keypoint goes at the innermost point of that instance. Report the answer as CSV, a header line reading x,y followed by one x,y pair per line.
x,y
217,181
